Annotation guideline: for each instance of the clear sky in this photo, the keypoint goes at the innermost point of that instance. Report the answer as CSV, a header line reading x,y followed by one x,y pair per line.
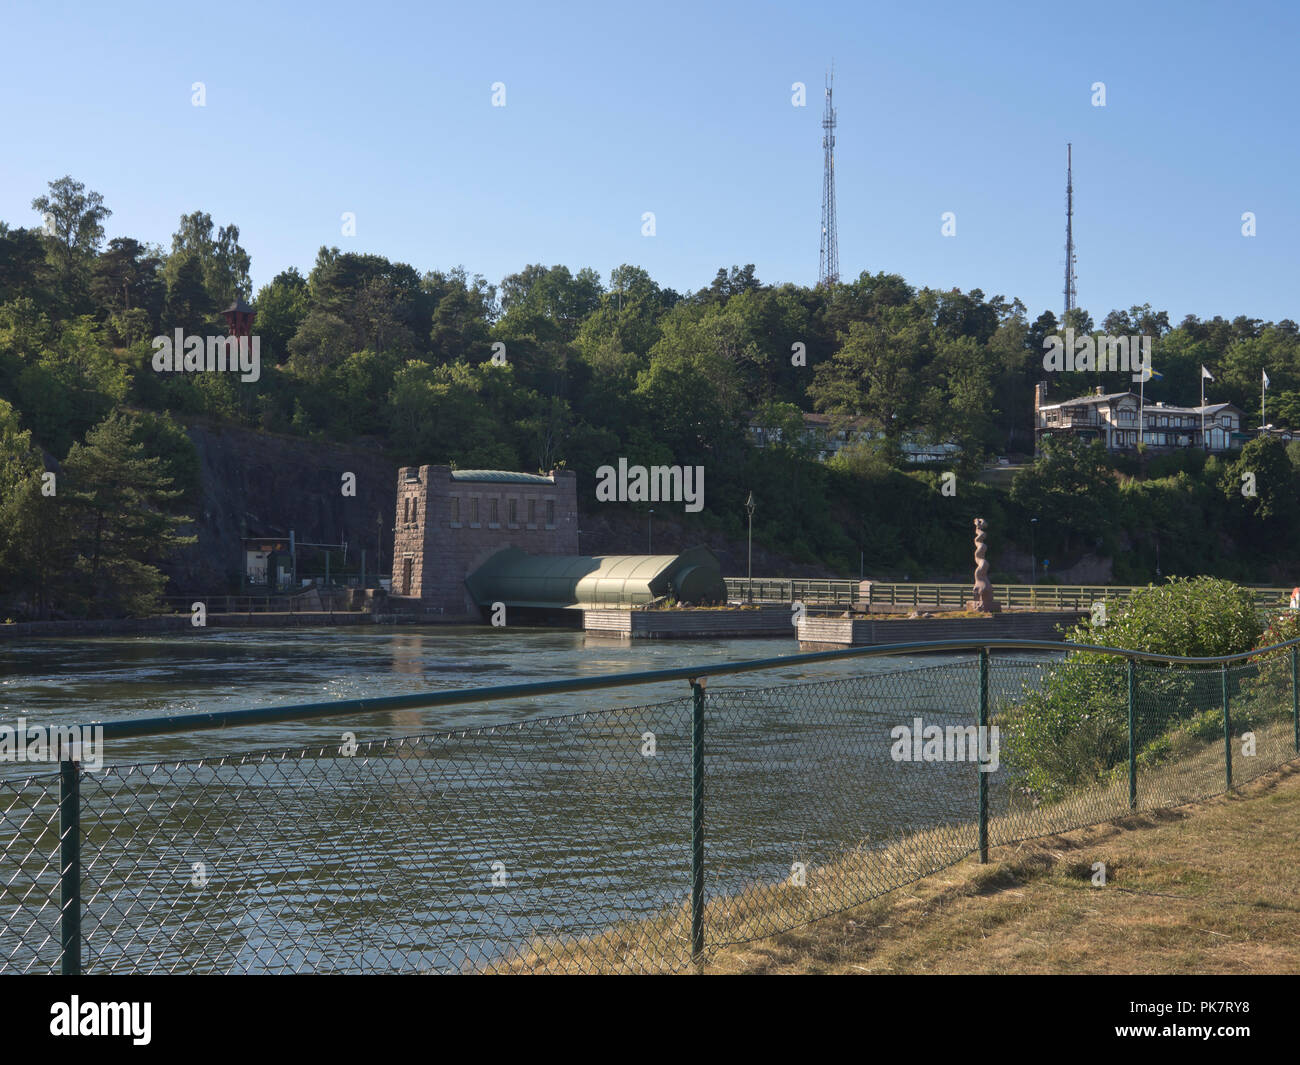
x,y
684,109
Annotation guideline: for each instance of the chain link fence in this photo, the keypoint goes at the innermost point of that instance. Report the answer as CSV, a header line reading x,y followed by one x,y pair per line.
x,y
634,840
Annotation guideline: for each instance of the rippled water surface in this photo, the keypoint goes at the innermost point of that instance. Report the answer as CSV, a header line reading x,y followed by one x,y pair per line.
x,y
451,851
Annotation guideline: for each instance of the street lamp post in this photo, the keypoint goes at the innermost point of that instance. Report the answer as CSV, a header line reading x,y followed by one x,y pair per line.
x,y
749,510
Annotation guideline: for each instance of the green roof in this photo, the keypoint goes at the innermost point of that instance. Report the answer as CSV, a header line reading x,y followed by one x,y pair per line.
x,y
500,477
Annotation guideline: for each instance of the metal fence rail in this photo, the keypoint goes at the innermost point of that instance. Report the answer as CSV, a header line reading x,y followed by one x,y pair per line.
x,y
298,603
635,839
951,596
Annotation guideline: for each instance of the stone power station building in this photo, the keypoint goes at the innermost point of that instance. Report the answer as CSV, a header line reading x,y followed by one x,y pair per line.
x,y
449,522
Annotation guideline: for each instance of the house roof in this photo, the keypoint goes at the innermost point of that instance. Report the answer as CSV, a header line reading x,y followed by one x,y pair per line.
x,y
1085,401
1111,397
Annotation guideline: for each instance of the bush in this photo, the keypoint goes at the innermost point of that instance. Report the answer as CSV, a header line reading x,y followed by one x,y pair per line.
x,y
1074,730
1270,688
1197,617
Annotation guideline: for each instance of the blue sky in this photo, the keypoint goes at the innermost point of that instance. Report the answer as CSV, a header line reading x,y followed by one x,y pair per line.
x,y
384,110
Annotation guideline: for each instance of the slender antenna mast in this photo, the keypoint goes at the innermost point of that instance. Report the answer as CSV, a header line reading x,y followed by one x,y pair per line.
x,y
828,262
1071,293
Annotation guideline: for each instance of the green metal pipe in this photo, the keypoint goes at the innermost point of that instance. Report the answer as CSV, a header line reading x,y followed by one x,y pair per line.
x,y
697,822
1295,694
983,776
1227,729
1132,738
70,867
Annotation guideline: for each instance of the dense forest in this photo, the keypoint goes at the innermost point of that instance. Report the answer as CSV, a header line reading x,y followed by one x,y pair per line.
x,y
556,367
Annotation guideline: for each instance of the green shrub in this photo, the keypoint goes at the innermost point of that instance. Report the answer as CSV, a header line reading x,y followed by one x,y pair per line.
x,y
1074,730
1268,690
1196,617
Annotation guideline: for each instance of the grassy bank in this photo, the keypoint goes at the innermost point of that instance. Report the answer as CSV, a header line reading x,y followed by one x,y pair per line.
x,y
1205,888
1191,887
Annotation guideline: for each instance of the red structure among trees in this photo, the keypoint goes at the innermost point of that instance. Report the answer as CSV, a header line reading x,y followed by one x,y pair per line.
x,y
239,318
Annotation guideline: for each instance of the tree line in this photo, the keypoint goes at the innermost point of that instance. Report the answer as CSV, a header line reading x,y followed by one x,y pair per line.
x,y
551,367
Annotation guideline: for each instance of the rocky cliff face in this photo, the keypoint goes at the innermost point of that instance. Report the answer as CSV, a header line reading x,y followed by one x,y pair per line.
x,y
260,484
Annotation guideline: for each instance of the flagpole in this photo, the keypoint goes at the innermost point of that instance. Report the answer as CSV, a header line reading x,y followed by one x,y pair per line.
x,y
1205,444
1262,388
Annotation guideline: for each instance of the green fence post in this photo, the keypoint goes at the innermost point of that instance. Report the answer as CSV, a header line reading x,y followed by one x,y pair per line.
x,y
1295,696
697,822
1227,727
69,868
1132,739
984,777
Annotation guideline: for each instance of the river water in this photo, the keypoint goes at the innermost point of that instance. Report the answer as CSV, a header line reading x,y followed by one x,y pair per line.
x,y
504,822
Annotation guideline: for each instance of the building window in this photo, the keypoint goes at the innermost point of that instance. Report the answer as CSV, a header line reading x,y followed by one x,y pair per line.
x,y
513,511
532,512
473,511
550,512
455,510
406,510
494,517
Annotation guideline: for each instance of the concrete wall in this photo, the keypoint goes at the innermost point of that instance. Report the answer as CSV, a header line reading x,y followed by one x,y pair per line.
x,y
827,633
443,551
688,624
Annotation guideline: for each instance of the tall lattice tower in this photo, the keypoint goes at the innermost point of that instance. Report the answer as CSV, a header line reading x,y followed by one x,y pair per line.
x,y
1071,294
828,262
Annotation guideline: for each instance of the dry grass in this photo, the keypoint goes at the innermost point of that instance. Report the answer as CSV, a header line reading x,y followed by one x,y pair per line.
x,y
1204,887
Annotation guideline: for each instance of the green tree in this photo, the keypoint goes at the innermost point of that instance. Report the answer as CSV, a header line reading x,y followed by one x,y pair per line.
x,y
128,276
189,304
1263,485
461,319
71,385
223,264
443,414
281,307
880,372
1071,489
126,518
25,271
74,229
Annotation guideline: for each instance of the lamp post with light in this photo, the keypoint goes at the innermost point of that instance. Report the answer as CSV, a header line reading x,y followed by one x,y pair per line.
x,y
1033,553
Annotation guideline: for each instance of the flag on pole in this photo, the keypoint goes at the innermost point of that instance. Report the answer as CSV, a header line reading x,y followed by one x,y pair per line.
x,y
1148,373
1206,374
1265,373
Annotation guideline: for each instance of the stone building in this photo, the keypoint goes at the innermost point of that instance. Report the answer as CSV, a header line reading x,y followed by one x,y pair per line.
x,y
449,522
